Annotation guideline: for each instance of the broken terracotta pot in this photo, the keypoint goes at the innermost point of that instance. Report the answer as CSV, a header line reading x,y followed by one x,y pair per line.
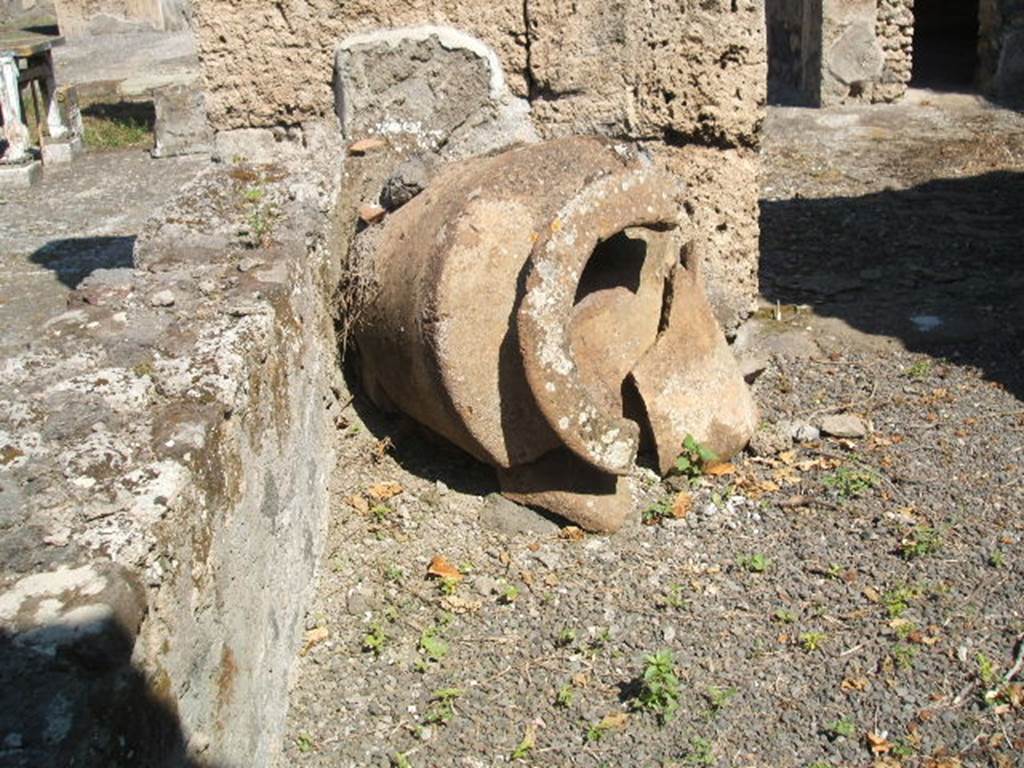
x,y
543,310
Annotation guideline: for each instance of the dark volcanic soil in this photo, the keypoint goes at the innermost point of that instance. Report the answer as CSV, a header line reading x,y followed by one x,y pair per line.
x,y
831,602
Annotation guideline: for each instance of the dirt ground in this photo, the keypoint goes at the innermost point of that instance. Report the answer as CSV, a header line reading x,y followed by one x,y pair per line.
x,y
829,602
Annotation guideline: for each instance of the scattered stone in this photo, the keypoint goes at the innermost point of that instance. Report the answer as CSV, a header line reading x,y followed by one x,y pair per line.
x,y
844,425
505,516
770,439
362,146
162,299
404,184
249,263
802,432
370,213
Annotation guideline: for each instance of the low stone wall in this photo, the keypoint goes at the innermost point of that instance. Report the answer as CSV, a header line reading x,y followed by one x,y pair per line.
x,y
164,457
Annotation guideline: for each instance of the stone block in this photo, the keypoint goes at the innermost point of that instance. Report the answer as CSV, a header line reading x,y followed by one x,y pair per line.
x,y
20,176
64,151
181,127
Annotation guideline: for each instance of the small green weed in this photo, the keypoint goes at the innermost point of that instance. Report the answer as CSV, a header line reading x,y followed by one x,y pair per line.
x,y
903,655
509,594
443,709
921,541
304,742
526,744
897,601
812,641
843,728
756,563
784,616
657,513
566,638
659,690
431,644
719,698
375,640
849,483
380,512
694,457
997,559
700,752
448,585
565,696
988,673
922,369
393,573
401,760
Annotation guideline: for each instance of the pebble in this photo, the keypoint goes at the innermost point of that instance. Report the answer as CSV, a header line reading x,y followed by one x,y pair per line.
x,y
843,425
162,299
249,263
803,432
505,516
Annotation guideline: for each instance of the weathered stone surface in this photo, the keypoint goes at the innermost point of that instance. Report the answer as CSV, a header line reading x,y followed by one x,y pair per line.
x,y
20,175
172,449
843,425
181,127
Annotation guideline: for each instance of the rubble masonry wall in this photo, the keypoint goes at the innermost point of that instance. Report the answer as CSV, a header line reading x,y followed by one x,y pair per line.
x,y
688,77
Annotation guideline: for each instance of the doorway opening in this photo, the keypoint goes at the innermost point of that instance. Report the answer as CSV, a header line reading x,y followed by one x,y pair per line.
x,y
945,44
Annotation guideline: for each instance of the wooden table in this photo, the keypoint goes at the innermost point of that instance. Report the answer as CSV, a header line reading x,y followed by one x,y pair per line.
x,y
26,59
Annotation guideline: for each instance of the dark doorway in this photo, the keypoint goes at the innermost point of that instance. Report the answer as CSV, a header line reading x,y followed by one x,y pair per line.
x,y
945,44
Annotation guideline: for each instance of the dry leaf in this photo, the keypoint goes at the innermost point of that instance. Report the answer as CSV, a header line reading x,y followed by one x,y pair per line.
x,y
359,504
363,146
441,568
551,580
384,491
613,721
720,468
313,637
682,505
855,684
878,743
580,679
871,594
572,533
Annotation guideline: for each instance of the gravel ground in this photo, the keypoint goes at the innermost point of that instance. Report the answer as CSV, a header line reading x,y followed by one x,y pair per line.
x,y
836,601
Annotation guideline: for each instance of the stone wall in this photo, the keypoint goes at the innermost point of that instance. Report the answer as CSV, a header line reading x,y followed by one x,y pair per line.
x,y
684,76
895,31
831,52
85,18
1001,49
165,447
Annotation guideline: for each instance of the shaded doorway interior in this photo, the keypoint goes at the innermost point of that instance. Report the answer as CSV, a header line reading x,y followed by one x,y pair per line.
x,y
945,44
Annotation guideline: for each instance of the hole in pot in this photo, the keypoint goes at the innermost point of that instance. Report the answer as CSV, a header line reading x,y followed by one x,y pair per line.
x,y
615,263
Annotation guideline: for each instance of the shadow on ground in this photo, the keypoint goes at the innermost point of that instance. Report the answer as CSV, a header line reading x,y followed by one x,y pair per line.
x,y
939,266
69,695
75,258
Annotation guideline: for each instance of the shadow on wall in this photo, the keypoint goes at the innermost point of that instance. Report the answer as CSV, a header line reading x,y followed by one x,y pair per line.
x,y
69,696
938,266
75,258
